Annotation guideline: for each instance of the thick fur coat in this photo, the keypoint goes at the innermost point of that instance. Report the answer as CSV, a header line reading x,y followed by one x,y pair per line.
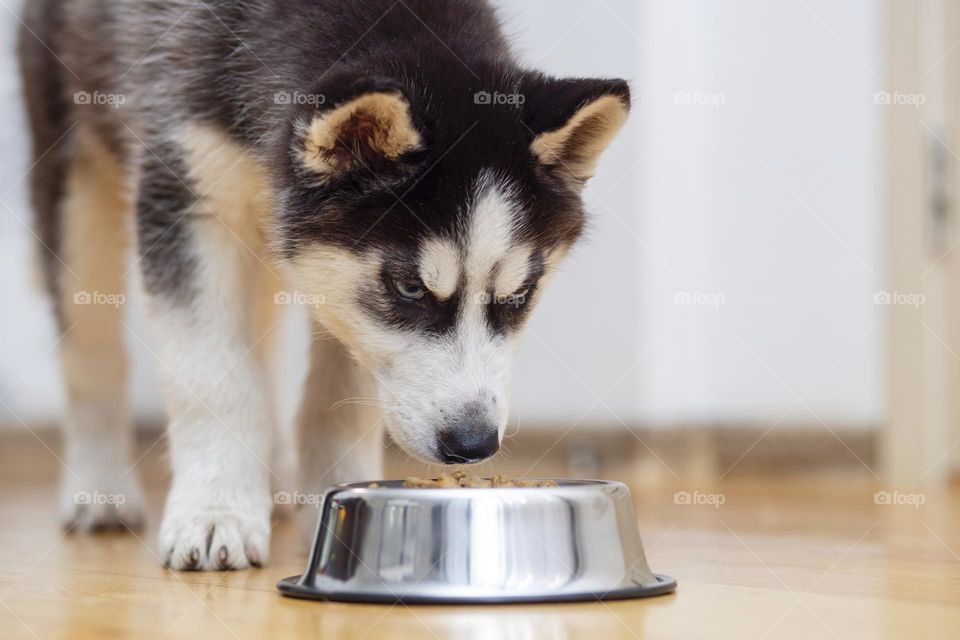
x,y
388,164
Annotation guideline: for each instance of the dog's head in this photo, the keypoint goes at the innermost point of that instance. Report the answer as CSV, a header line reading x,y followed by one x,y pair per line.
x,y
429,221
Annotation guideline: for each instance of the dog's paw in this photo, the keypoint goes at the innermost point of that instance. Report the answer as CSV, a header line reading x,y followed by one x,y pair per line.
x,y
214,540
99,501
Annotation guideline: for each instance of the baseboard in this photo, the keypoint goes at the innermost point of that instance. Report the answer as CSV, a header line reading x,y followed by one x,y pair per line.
x,y
680,451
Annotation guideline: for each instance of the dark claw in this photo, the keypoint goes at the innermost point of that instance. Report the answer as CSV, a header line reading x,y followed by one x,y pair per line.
x,y
253,558
223,556
194,560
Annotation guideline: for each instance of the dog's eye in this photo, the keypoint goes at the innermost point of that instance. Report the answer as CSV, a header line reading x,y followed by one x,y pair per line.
x,y
409,289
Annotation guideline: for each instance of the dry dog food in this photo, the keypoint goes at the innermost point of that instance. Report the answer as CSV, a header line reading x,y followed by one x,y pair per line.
x,y
460,479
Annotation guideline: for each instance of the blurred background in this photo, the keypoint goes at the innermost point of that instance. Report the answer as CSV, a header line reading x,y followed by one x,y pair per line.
x,y
770,274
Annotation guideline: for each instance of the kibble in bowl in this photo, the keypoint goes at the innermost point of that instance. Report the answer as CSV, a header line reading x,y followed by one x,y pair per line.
x,y
460,479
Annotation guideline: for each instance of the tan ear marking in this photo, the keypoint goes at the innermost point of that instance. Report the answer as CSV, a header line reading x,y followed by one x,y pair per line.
x,y
577,145
374,123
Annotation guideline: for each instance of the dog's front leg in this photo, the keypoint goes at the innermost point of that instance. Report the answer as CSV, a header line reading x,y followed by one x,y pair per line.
x,y
198,273
340,431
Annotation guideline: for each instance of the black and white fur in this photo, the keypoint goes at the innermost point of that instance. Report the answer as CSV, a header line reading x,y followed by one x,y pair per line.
x,y
341,150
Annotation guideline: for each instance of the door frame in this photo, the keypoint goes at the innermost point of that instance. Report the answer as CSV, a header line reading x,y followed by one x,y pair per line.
x,y
920,443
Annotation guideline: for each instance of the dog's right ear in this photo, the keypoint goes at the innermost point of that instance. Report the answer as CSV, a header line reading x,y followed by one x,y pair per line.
x,y
573,121
371,131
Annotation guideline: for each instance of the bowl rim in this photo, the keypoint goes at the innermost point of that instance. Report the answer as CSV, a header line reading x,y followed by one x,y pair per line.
x,y
396,486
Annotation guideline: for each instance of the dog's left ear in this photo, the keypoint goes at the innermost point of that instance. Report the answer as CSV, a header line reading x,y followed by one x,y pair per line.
x,y
371,130
573,121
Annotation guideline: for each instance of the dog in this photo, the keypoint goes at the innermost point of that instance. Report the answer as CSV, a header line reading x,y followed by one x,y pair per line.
x,y
386,163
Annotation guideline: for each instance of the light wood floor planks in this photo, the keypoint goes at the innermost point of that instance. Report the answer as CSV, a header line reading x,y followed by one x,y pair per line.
x,y
788,557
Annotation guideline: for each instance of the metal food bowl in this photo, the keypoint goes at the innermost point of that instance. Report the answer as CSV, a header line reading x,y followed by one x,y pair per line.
x,y
387,544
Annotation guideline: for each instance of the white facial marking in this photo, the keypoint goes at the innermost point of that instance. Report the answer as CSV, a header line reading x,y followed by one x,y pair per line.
x,y
440,267
513,271
470,365
492,224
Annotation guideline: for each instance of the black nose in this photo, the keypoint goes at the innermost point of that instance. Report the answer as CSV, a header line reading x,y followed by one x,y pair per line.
x,y
468,443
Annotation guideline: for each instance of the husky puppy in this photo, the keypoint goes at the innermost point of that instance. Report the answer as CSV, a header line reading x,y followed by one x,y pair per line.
x,y
385,162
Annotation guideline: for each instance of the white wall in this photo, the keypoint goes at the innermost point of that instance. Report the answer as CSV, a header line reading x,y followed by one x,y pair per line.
x,y
578,361
764,190
686,200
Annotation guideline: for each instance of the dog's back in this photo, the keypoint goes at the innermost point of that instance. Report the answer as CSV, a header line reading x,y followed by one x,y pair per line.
x,y
226,61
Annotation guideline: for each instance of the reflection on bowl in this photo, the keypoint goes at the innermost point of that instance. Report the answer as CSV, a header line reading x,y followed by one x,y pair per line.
x,y
575,541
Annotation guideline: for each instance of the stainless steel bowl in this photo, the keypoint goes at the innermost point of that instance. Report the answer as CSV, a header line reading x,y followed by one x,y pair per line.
x,y
575,541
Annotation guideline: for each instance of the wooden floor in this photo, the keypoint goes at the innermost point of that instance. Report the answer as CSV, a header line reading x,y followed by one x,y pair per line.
x,y
786,557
